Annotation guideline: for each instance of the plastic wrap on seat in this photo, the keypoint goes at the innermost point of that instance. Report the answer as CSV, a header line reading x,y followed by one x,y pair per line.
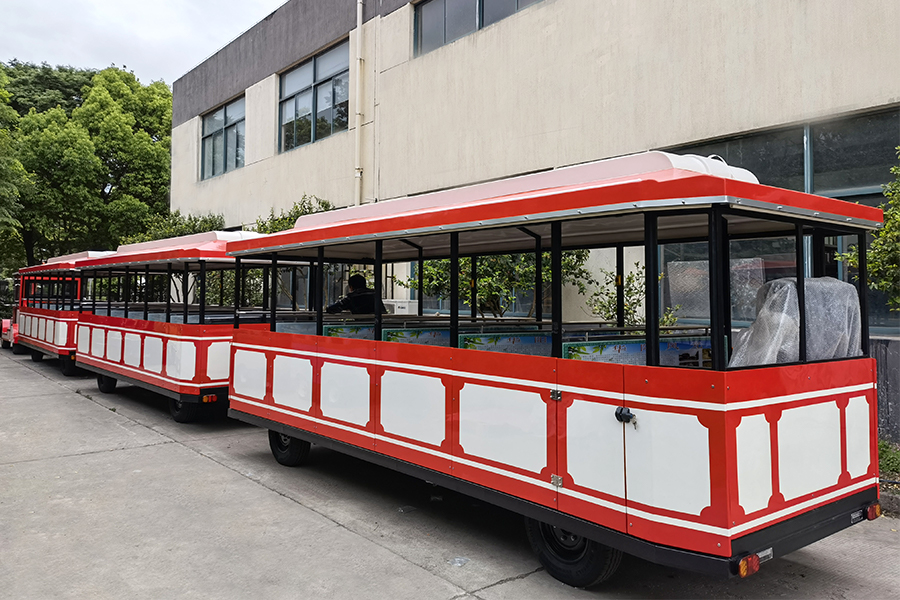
x,y
833,326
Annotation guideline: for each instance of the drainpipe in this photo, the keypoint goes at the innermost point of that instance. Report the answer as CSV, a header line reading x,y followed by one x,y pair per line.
x,y
358,171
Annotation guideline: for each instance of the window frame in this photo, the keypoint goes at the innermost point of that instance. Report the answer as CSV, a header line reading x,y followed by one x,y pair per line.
x,y
479,22
313,90
224,131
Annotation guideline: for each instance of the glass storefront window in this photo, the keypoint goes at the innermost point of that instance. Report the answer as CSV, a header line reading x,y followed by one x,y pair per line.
x,y
854,153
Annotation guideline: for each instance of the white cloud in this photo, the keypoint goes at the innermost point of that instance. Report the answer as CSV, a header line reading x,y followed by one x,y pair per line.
x,y
157,39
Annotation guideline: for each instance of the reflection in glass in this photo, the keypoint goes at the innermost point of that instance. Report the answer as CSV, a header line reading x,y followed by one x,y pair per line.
x,y
239,154
461,18
296,80
287,125
230,147
429,26
214,121
234,112
856,152
494,10
303,132
218,153
323,110
333,61
207,158
341,101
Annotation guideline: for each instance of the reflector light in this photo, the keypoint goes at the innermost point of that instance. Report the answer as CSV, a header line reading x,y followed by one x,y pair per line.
x,y
873,512
749,565
209,398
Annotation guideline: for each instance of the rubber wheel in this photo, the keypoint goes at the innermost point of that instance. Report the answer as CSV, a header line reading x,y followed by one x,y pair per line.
x,y
184,412
6,345
19,349
67,365
571,558
287,450
106,384
37,356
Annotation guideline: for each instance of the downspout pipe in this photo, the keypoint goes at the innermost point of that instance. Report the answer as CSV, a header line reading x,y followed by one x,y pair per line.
x,y
358,170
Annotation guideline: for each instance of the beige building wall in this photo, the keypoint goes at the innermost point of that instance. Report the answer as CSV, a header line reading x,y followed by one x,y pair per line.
x,y
559,83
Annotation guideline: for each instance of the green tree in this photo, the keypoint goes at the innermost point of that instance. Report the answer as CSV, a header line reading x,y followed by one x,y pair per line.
x,y
160,227
604,301
307,205
12,174
883,256
501,278
43,87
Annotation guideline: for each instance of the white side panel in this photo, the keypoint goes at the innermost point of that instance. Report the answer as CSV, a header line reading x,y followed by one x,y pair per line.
x,y
35,324
84,339
508,426
181,359
809,449
62,333
98,338
858,453
114,346
250,374
414,406
667,461
754,463
22,322
42,329
48,332
345,393
595,446
153,354
133,349
292,382
218,359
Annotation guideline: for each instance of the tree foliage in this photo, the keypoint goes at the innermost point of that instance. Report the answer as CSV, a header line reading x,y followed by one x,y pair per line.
x,y
604,301
160,227
307,205
501,279
883,256
43,87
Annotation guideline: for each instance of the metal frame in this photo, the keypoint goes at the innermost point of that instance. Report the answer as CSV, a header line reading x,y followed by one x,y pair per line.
x,y
203,138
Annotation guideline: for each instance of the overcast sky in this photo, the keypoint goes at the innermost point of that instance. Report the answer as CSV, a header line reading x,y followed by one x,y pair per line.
x,y
157,39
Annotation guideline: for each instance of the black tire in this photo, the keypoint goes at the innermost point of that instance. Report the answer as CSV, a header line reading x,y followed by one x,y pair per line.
x,y
570,558
106,384
67,365
19,349
288,451
37,356
184,412
6,345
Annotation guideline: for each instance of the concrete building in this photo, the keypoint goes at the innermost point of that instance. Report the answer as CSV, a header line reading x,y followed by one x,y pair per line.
x,y
372,100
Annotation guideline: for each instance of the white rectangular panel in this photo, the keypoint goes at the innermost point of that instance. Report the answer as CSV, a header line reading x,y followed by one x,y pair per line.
x,y
181,358
809,449
42,329
292,382
250,374
414,406
218,358
754,463
595,447
98,339
84,339
35,327
133,349
667,461
153,354
508,426
114,346
345,393
48,331
62,333
859,453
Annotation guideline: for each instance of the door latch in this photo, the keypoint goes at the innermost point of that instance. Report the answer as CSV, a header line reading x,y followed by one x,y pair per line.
x,y
623,415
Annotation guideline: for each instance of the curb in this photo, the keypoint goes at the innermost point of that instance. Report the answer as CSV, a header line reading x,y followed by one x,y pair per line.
x,y
890,503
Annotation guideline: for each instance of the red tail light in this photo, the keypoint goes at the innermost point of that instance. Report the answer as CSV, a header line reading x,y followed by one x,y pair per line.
x,y
873,512
749,565
209,398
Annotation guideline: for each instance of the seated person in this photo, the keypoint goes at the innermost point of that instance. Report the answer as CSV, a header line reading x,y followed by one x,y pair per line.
x,y
360,300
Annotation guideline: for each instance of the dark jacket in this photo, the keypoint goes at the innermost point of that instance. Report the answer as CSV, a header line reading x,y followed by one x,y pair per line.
x,y
358,302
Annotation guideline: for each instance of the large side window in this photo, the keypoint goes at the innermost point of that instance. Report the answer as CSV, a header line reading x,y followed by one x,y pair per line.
x,y
315,98
223,139
440,22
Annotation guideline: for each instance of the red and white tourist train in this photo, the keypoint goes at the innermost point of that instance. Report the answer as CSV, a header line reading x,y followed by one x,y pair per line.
x,y
725,418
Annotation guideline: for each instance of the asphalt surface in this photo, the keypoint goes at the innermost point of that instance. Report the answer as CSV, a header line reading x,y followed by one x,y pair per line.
x,y
104,496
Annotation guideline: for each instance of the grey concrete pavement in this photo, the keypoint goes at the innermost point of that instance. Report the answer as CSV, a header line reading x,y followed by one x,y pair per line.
x,y
104,496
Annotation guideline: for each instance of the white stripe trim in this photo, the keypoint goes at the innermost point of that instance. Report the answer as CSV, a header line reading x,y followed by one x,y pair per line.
x,y
216,383
743,405
225,338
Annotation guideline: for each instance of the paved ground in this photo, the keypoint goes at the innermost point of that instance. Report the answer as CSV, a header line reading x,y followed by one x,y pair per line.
x,y
104,496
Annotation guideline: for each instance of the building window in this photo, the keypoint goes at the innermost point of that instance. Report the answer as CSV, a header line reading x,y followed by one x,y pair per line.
x,y
223,140
317,91
440,22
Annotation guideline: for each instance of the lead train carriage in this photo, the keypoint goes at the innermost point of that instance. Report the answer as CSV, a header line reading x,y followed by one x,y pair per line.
x,y
709,468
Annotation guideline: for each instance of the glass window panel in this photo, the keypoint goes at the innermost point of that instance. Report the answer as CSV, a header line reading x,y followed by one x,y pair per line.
x,y
304,118
524,3
234,111
776,158
207,158
341,101
239,145
462,18
287,125
218,153
214,121
323,110
230,147
854,153
334,61
296,80
494,10
430,26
